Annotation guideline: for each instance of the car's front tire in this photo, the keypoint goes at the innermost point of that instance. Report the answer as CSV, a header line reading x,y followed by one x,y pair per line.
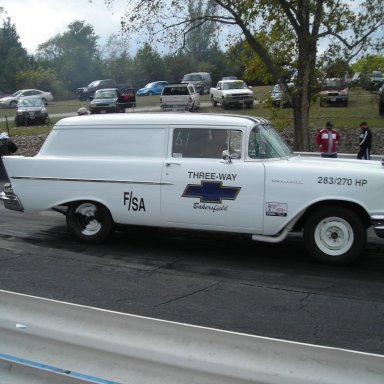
x,y
89,221
335,235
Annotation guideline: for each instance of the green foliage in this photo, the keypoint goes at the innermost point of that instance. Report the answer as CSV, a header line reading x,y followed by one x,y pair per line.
x,y
73,55
368,64
200,35
13,57
147,66
40,78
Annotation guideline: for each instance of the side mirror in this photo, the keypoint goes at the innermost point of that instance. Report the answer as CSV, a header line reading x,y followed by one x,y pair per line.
x,y
226,156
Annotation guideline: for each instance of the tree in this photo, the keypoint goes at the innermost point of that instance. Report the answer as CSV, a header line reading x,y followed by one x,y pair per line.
x,y
202,35
13,57
74,55
294,27
147,66
117,61
368,64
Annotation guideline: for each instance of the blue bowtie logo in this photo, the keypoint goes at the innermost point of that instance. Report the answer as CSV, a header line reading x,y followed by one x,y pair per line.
x,y
211,192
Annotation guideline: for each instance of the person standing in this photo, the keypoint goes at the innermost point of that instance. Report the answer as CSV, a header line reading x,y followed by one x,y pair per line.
x,y
365,142
327,139
7,147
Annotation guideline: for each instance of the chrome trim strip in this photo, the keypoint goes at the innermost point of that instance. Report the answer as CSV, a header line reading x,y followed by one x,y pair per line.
x,y
88,180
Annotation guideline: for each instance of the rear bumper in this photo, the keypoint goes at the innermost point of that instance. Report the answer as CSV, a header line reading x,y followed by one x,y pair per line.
x,y
377,222
10,200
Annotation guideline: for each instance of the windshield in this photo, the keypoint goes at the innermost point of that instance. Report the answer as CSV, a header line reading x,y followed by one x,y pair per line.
x,y
105,94
235,85
150,85
192,78
94,83
265,143
37,102
333,84
277,89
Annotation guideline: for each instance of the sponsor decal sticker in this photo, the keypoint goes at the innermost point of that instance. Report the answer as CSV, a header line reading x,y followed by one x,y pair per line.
x,y
276,209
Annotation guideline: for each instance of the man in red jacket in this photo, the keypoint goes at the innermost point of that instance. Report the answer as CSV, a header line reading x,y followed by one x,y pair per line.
x,y
327,140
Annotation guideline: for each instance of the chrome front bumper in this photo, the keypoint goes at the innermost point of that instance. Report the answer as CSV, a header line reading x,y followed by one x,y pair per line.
x,y
10,200
377,222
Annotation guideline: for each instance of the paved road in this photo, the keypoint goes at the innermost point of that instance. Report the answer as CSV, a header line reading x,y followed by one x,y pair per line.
x,y
225,282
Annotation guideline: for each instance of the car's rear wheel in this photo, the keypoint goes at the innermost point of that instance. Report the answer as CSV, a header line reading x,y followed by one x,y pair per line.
x,y
335,235
89,221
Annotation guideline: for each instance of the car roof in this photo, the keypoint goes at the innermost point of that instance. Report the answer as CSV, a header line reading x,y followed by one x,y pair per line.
x,y
30,89
107,89
178,84
150,120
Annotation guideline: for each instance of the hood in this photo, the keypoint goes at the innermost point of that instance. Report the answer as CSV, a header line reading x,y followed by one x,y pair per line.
x,y
238,91
6,98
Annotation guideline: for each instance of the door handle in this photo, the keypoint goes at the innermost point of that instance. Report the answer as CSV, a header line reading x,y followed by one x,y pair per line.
x,y
169,164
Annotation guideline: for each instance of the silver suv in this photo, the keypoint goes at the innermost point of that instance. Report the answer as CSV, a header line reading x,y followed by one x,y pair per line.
x,y
333,91
201,80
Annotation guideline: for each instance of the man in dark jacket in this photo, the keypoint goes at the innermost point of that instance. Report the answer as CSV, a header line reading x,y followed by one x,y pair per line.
x,y
365,142
7,147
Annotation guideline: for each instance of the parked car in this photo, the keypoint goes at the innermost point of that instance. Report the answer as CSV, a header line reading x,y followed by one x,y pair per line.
x,y
11,101
201,80
333,91
373,80
278,97
180,97
111,100
154,88
83,93
31,111
231,93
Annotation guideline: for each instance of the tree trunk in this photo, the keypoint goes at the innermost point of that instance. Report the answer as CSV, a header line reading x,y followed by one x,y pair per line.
x,y
302,94
301,124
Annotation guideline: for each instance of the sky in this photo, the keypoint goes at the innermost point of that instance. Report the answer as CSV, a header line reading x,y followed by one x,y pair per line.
x,y
37,21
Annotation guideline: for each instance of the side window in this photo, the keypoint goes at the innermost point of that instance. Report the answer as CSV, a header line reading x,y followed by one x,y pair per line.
x,y
206,143
256,149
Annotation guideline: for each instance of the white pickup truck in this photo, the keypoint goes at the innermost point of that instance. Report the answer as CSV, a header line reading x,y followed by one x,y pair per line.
x,y
180,97
231,92
197,171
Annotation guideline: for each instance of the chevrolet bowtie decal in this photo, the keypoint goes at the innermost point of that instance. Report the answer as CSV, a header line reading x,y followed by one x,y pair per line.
x,y
211,192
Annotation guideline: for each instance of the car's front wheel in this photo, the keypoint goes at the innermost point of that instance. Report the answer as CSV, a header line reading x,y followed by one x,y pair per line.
x,y
89,221
13,104
335,235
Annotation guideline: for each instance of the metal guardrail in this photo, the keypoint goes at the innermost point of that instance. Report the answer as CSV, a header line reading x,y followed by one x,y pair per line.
x,y
46,341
